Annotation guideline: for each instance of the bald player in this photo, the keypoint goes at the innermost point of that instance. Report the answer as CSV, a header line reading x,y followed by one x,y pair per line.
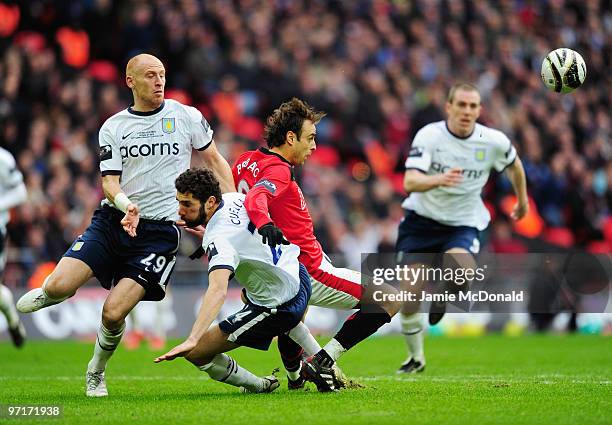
x,y
131,243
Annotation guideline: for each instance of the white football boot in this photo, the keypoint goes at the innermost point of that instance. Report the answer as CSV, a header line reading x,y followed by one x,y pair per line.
x,y
34,300
95,384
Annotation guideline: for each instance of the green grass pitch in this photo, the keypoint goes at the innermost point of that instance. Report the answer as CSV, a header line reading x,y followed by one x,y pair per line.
x,y
535,379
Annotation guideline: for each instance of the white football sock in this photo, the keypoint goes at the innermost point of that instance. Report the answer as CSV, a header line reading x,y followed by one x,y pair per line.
x,y
294,375
106,343
334,349
7,306
302,336
412,329
223,368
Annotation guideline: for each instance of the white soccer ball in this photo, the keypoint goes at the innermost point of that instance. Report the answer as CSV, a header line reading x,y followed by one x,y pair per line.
x,y
563,70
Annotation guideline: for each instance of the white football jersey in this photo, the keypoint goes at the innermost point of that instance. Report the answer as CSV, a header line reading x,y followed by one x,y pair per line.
x,y
149,150
10,179
435,150
270,276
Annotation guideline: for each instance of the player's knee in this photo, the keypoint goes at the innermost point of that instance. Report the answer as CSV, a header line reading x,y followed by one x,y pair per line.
x,y
112,316
54,287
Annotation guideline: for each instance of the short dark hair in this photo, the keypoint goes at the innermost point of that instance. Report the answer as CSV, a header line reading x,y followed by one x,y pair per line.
x,y
200,182
460,86
290,116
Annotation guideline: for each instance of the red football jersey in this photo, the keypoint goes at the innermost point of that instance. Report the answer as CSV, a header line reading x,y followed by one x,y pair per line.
x,y
273,195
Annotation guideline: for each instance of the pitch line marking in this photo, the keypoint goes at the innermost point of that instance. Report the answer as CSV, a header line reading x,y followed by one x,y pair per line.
x,y
537,379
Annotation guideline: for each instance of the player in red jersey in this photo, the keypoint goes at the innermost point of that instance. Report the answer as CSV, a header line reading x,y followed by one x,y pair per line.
x,y
277,208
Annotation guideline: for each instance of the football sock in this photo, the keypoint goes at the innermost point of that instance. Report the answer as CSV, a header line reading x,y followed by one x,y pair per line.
x,y
7,306
359,326
223,368
304,338
412,329
106,343
291,355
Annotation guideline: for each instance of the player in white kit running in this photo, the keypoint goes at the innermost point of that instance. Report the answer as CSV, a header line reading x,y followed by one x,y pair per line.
x,y
448,165
12,193
131,244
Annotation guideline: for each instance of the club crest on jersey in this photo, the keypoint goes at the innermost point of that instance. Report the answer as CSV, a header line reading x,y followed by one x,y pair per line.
x,y
168,125
480,154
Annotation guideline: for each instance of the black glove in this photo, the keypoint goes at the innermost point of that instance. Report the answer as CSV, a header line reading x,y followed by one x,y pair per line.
x,y
272,235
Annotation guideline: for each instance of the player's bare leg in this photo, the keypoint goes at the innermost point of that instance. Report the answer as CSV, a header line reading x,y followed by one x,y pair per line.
x,y
68,276
121,300
209,357
454,258
411,320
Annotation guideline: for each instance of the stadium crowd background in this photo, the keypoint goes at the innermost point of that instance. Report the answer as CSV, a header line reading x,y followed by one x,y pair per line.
x,y
381,70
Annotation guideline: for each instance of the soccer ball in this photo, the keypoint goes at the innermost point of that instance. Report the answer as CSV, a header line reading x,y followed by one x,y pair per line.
x,y
563,70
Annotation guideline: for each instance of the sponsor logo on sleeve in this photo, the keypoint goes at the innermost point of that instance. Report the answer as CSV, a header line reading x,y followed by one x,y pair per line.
x,y
271,187
415,152
106,152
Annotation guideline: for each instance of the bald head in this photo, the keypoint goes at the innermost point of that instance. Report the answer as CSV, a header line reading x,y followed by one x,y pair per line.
x,y
146,76
140,62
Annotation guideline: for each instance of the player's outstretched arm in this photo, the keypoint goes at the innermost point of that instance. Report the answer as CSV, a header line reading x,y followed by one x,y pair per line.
x,y
516,174
112,191
215,161
211,305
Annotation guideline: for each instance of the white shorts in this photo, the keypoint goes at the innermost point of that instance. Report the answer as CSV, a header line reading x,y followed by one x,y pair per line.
x,y
335,287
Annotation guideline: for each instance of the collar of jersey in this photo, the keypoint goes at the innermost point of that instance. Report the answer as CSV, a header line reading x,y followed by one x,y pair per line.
x,y
218,208
148,113
459,137
269,152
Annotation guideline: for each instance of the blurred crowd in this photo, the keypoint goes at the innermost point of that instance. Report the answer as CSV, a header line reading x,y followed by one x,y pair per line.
x,y
379,68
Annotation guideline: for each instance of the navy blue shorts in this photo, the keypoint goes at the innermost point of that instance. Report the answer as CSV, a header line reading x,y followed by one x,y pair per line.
x,y
418,234
112,254
255,326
